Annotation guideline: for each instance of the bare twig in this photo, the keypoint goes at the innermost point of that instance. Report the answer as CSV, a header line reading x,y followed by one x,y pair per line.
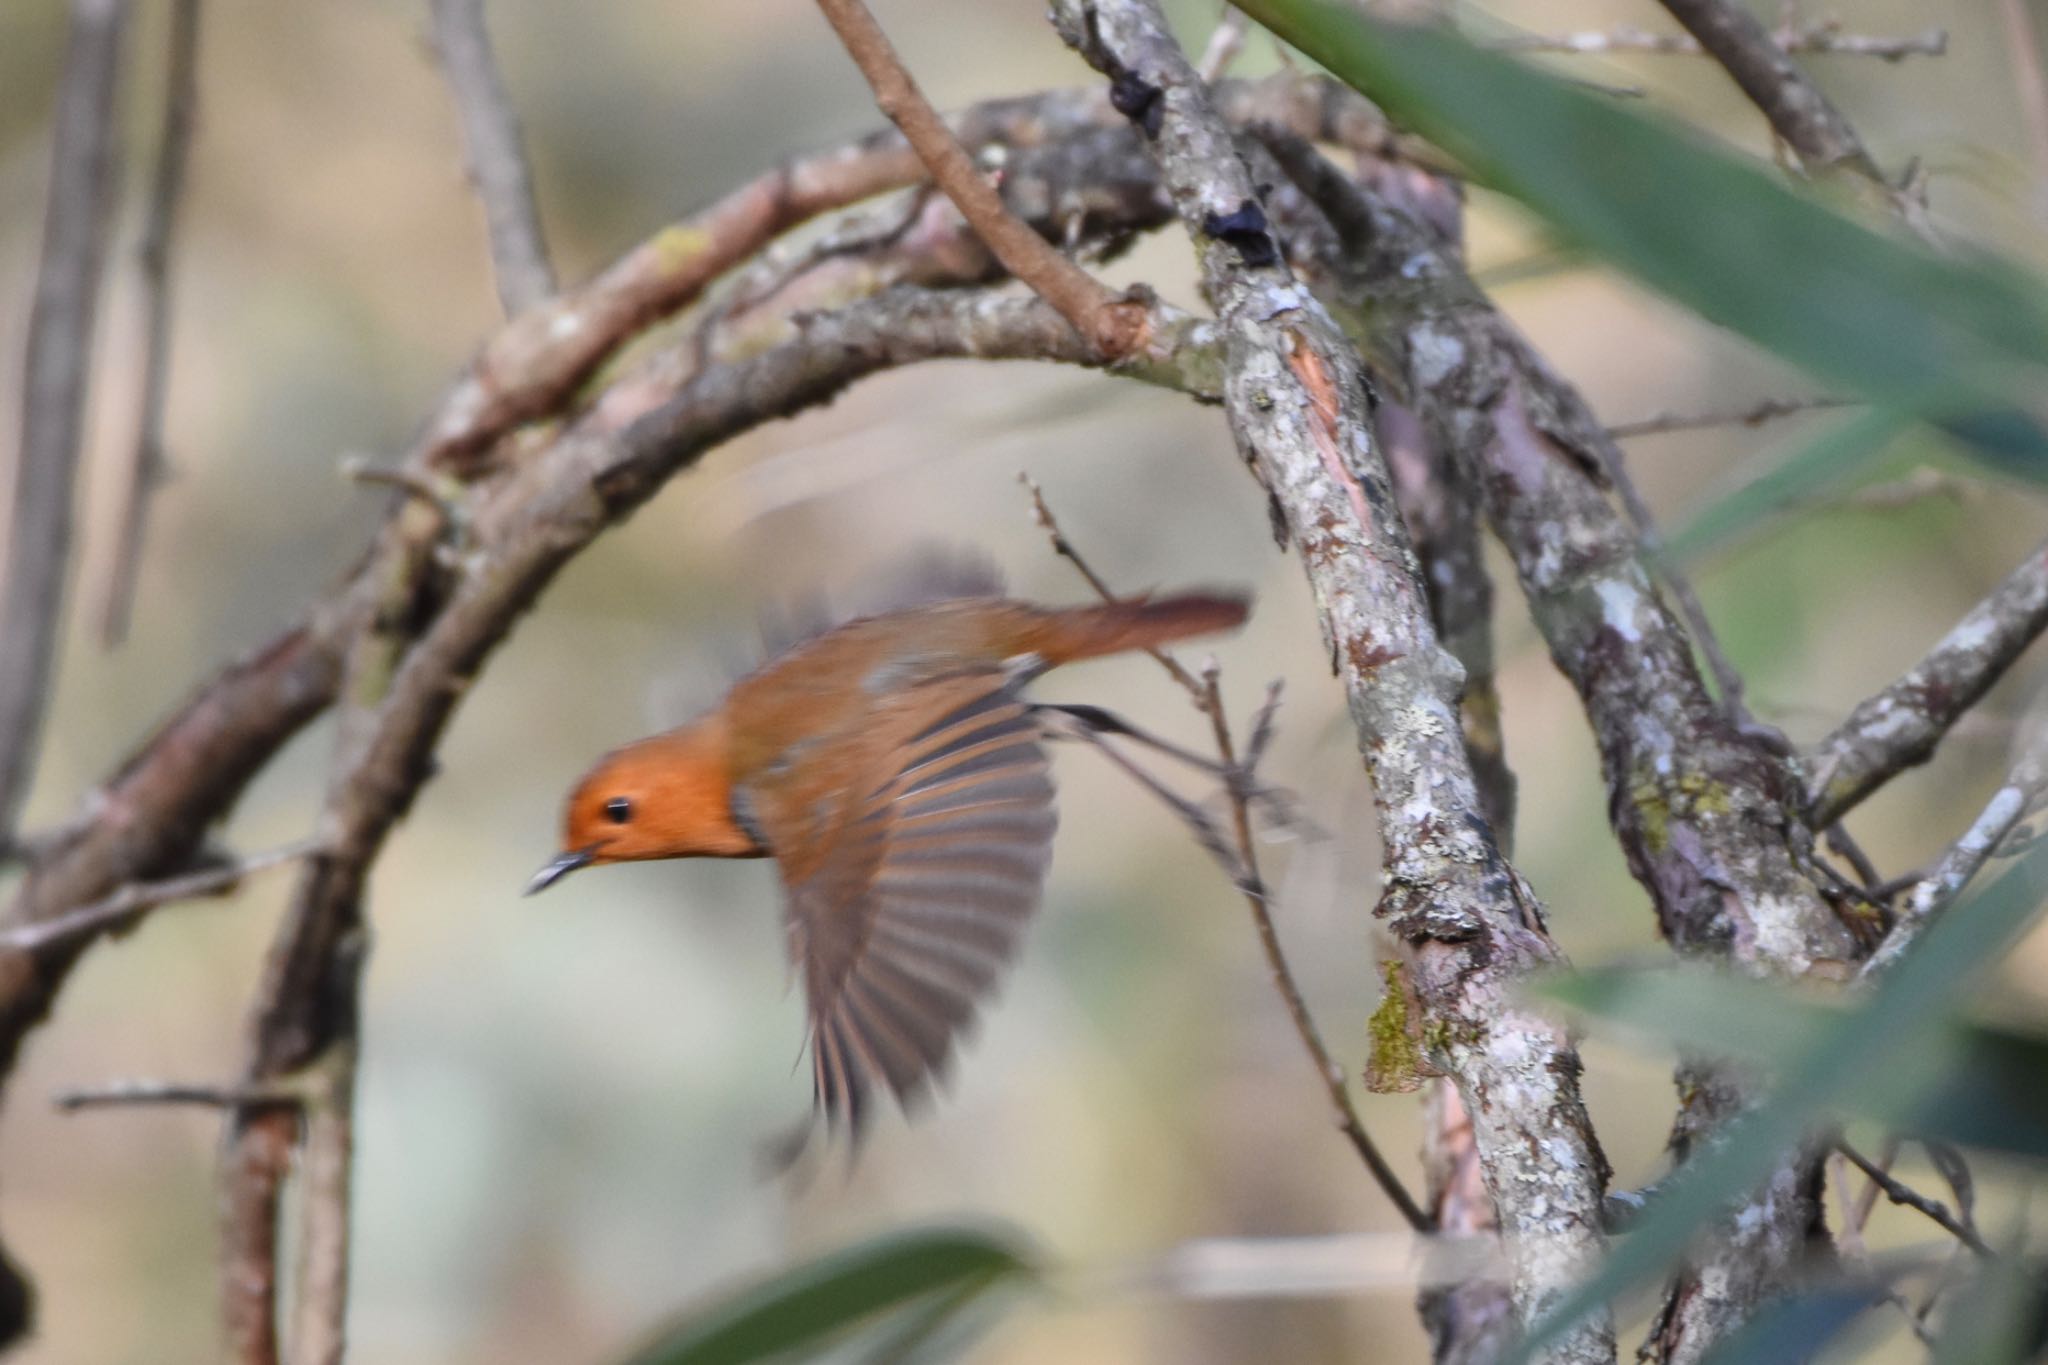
x,y
146,463
495,156
1206,694
132,1094
1936,889
1296,398
84,149
1901,725
1906,1196
1825,39
125,906
1110,323
1769,410
1798,111
1225,42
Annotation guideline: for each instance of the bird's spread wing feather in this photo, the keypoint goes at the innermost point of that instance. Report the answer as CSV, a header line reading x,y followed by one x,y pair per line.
x,y
909,883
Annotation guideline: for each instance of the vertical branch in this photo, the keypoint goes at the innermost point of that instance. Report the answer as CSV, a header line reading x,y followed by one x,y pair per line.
x,y
145,471
1470,1321
1469,926
496,158
54,384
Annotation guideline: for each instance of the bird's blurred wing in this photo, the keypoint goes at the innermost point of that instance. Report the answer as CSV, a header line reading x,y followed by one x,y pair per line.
x,y
908,893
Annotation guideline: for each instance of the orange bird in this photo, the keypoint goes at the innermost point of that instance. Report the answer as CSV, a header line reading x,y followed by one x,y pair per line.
x,y
895,773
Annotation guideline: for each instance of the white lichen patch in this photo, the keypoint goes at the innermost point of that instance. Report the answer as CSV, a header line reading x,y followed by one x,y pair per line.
x,y
1434,355
1619,603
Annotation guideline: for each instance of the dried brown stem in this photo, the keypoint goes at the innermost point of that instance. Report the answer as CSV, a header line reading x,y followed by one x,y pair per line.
x,y
1754,416
1206,694
146,462
55,378
131,902
1109,322
494,154
1906,1196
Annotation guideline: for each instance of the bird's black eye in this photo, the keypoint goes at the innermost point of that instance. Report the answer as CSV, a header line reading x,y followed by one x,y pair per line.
x,y
619,810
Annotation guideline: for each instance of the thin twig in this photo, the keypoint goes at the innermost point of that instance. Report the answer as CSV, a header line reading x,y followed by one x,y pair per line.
x,y
1903,723
492,150
1905,1195
1225,42
84,150
1824,39
1938,889
1064,548
1206,694
1114,325
1769,410
138,1094
1798,112
137,898
146,462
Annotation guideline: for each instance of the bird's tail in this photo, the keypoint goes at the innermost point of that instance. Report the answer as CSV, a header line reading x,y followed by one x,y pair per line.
x,y
1142,623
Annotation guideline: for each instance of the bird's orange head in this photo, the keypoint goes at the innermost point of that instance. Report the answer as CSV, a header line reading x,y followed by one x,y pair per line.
x,y
665,797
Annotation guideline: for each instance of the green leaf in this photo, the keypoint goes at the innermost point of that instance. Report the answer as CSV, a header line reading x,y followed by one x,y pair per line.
x,y
1792,1330
1960,339
1836,1060
815,1303
1975,1084
1832,459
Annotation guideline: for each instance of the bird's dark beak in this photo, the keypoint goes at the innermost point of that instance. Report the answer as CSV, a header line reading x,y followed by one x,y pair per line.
x,y
561,866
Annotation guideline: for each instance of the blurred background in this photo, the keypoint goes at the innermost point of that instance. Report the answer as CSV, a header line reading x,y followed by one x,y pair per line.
x,y
562,1099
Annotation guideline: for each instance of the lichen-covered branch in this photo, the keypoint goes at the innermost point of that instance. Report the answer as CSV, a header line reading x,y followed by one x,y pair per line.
x,y
1901,725
1706,814
1297,403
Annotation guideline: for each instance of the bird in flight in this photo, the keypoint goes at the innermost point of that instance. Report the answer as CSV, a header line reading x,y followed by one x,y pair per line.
x,y
895,772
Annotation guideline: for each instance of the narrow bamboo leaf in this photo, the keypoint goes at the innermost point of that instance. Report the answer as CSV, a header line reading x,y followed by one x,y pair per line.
x,y
1960,339
1854,1055
1832,459
1792,1330
815,1302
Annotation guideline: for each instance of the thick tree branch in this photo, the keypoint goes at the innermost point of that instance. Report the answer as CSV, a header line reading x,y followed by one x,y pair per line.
x,y
494,154
83,151
1901,725
1704,812
1296,400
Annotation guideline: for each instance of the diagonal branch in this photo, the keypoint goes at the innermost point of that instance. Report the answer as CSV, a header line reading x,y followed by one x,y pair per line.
x,y
1901,725
1107,321
492,149
1798,111
1296,399
83,152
